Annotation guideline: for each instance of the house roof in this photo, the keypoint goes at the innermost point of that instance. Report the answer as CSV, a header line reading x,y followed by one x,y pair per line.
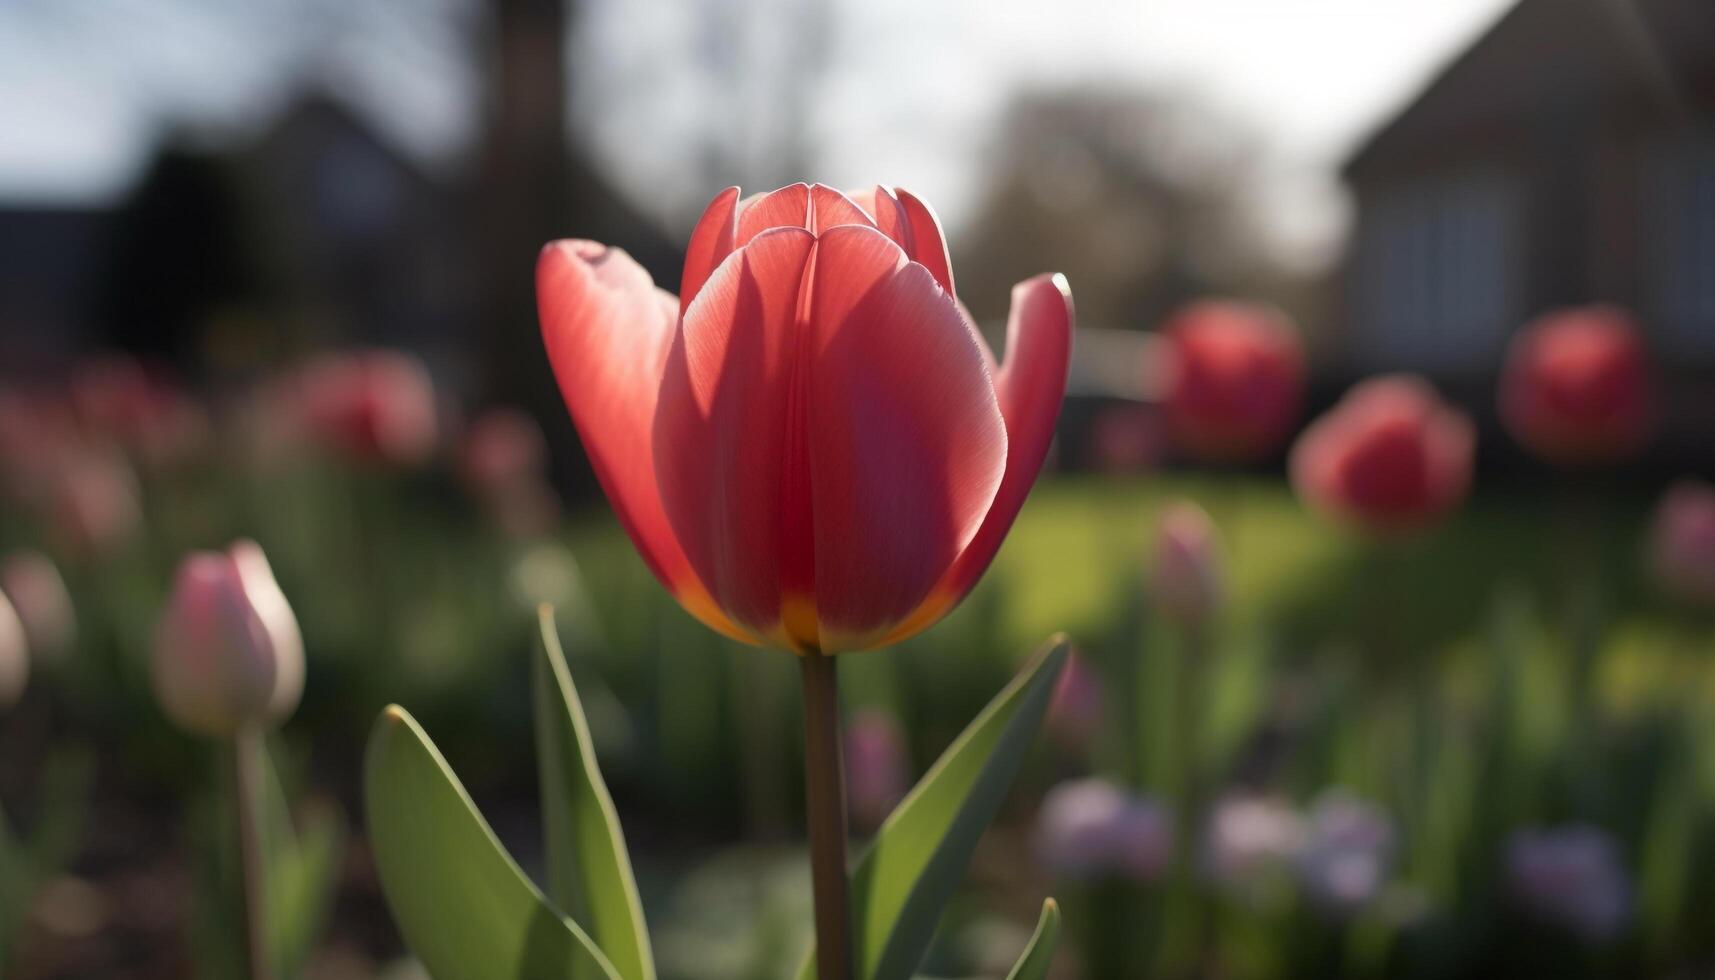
x,y
1549,56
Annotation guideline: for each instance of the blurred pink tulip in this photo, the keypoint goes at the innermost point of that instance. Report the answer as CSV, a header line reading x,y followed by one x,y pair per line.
x,y
1076,711
37,429
1682,543
811,446
14,656
877,767
1126,439
374,405
1576,388
1189,580
1091,829
43,603
501,448
1234,379
228,654
119,401
1390,457
1571,876
94,503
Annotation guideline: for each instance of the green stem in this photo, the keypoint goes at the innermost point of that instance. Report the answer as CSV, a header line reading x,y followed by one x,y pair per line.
x,y
825,799
247,750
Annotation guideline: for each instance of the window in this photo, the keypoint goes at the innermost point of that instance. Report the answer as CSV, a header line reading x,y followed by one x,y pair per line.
x,y
1435,273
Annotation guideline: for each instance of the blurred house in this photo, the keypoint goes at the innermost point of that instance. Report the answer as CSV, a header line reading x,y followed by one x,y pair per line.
x,y
1565,158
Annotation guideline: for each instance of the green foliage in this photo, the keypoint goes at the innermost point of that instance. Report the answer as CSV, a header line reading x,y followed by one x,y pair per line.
x,y
919,856
1034,963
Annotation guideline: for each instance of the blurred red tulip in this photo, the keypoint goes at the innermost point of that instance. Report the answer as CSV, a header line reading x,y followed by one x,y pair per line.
x,y
39,594
1075,714
376,405
811,446
1682,543
1126,439
228,654
1391,456
501,448
1234,377
37,429
119,401
1576,387
1189,583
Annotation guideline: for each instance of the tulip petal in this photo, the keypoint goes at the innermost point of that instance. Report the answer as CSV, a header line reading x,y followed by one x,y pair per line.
x,y
888,215
830,208
788,207
723,416
929,245
1030,384
607,330
711,242
907,445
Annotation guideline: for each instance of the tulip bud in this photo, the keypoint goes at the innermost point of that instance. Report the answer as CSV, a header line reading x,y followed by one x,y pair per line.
x,y
371,405
95,505
1347,854
1682,543
876,767
1091,829
228,654
1572,877
38,593
14,656
1075,712
1189,583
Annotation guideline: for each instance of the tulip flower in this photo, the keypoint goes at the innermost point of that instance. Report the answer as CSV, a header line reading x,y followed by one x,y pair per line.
x,y
811,446
14,656
1571,876
1234,376
1091,829
374,405
1390,457
1682,543
1189,582
94,502
228,654
502,448
1076,711
43,603
1576,387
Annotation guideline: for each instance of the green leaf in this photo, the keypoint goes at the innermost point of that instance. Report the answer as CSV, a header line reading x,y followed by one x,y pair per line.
x,y
589,872
920,854
1039,955
461,902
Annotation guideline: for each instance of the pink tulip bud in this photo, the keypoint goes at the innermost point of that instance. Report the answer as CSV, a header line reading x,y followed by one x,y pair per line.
x,y
1390,457
1234,379
39,594
1126,439
1189,582
877,768
228,654
1348,853
14,656
1576,388
95,504
1090,828
501,448
1075,713
1571,876
1682,543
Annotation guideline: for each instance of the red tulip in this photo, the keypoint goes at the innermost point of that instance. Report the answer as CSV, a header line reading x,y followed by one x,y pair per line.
x,y
119,400
1576,387
1234,379
1391,456
502,448
371,405
811,446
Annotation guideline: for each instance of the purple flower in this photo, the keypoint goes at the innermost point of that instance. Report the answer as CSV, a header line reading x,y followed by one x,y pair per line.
x,y
1251,837
1347,854
1571,876
1090,828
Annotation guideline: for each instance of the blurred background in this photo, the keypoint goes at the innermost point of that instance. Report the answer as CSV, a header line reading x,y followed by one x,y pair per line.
x,y
266,271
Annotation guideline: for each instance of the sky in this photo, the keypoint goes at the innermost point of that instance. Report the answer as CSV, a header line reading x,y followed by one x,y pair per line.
x,y
903,91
